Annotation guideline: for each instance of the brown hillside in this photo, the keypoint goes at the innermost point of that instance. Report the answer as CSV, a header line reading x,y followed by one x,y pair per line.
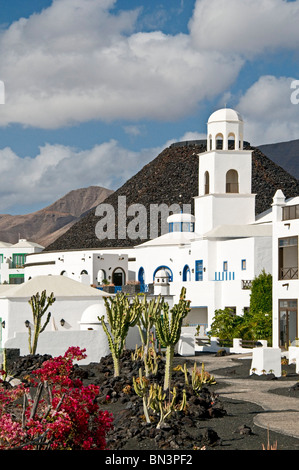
x,y
45,225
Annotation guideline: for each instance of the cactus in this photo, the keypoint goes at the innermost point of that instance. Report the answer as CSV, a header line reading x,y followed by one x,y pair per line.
x,y
141,389
121,315
39,304
150,310
200,378
168,329
184,370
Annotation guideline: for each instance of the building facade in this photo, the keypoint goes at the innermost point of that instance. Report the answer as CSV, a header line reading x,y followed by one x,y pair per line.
x,y
215,252
285,270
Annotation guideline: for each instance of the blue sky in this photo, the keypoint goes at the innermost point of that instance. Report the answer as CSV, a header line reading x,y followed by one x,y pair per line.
x,y
95,89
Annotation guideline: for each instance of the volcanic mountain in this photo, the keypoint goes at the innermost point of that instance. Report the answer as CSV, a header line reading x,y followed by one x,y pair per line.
x,y
171,178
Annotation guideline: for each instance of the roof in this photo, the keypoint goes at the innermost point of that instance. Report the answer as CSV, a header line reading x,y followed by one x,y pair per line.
x,y
5,244
225,114
61,286
182,217
240,231
23,243
171,239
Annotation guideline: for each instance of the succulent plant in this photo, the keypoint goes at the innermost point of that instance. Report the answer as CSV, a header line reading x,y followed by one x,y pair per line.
x,y
168,328
121,315
39,305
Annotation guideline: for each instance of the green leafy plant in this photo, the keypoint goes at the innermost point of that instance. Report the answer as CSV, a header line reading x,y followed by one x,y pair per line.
x,y
39,305
261,294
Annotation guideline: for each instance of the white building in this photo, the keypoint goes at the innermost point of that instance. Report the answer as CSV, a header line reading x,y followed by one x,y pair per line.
x,y
214,253
89,266
13,258
285,270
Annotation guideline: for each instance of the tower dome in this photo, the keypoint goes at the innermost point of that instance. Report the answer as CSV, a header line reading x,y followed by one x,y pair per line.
x,y
225,114
225,129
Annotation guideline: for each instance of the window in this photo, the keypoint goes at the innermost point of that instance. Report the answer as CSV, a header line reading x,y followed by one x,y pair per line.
x,y
232,181
232,141
207,182
290,212
18,260
243,264
288,322
186,273
219,142
199,270
233,310
141,275
1,258
225,265
181,227
288,258
16,278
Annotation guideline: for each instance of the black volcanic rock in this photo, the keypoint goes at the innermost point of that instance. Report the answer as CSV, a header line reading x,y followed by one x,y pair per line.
x,y
172,178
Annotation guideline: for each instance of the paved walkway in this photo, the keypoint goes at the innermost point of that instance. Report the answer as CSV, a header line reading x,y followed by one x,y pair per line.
x,y
281,412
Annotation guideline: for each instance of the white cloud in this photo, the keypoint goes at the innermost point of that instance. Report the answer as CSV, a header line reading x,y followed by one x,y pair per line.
x,y
58,169
245,27
78,60
268,112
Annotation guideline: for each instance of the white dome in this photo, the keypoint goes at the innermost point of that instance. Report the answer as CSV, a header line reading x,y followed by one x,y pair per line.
x,y
91,314
181,218
225,114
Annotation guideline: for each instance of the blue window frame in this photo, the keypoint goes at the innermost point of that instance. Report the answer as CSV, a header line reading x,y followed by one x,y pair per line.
x,y
243,264
199,270
225,265
141,275
186,273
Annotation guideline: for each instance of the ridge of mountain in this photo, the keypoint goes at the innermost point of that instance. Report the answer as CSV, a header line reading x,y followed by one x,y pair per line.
x,y
285,154
172,177
51,222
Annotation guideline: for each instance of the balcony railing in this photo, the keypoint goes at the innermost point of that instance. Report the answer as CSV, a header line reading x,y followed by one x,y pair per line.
x,y
232,187
288,273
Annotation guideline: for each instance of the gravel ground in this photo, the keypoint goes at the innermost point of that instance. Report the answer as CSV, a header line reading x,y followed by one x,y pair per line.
x,y
236,429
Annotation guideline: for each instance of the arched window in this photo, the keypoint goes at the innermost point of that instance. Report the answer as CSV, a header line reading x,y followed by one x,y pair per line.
x,y
118,277
207,182
141,276
186,273
63,273
83,272
232,143
219,142
101,276
232,181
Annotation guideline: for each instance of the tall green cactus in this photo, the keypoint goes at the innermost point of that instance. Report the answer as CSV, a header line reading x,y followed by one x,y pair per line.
x,y
150,310
39,305
121,315
168,329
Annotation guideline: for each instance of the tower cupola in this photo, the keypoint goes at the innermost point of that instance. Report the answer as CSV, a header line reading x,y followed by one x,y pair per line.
x,y
225,130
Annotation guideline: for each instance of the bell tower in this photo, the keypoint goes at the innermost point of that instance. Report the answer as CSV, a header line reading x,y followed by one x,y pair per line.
x,y
224,179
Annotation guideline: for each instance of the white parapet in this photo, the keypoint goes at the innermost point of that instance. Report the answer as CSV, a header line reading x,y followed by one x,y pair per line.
x,y
294,356
186,345
266,361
